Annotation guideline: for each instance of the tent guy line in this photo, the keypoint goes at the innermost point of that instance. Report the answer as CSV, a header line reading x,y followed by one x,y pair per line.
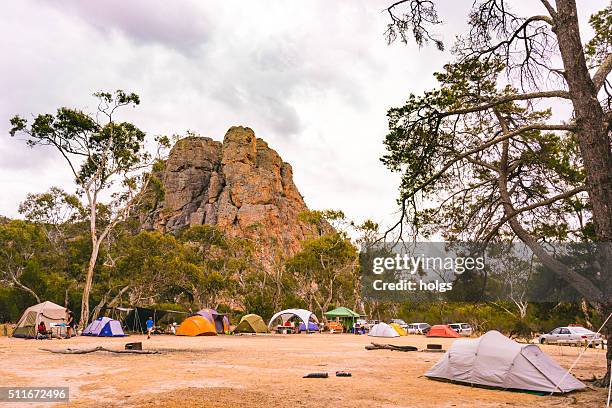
x,y
583,351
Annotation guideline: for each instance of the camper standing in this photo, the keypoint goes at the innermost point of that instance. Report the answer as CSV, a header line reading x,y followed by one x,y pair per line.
x,y
149,327
70,324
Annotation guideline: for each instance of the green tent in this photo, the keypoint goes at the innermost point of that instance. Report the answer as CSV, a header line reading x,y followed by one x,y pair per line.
x,y
251,323
345,315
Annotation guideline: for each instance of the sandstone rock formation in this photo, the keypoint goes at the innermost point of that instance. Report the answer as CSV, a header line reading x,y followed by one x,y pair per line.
x,y
241,185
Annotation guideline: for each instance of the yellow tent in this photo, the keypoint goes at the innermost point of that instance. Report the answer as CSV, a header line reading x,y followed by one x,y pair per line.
x,y
196,326
251,323
398,329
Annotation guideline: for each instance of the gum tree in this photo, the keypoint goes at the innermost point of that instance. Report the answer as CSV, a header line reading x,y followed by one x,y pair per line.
x,y
325,270
494,165
21,244
107,159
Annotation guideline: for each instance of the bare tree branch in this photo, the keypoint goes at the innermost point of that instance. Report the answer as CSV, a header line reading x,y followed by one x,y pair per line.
x,y
599,77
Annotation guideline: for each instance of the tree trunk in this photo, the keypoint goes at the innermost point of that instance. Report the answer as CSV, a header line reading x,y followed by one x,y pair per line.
x,y
359,304
583,285
103,302
607,331
592,129
88,282
593,140
584,306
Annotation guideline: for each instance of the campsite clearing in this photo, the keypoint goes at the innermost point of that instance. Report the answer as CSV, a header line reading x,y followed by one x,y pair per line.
x,y
266,370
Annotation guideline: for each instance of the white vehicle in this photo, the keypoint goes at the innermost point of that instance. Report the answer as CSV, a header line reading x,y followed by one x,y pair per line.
x,y
571,334
370,323
400,322
418,328
463,329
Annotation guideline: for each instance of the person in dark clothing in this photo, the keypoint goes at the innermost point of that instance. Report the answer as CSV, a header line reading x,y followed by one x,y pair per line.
x,y
70,323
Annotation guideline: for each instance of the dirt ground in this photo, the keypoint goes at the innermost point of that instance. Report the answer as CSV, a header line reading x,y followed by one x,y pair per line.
x,y
265,371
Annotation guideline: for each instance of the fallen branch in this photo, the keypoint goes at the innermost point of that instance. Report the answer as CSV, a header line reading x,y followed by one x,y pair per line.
x,y
100,348
377,346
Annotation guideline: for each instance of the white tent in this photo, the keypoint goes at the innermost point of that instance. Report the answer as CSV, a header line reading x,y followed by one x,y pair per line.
x,y
497,361
47,312
383,330
304,315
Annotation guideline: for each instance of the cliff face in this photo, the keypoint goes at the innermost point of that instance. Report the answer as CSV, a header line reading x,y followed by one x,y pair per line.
x,y
241,185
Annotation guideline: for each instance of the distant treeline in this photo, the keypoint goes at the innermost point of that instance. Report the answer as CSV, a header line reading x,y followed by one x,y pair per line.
x,y
202,267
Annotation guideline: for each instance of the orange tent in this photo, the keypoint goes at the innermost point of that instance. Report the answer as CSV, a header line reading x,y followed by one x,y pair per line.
x,y
442,330
196,326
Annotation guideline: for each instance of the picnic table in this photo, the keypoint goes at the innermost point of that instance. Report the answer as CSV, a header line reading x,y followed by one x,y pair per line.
x,y
280,329
57,328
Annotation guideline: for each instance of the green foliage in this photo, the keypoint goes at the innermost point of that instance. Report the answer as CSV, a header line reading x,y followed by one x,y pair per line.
x,y
443,144
55,207
29,264
325,270
418,140
201,267
600,46
107,149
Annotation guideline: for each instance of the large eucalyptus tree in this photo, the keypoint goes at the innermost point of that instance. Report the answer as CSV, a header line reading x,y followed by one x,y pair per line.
x,y
107,158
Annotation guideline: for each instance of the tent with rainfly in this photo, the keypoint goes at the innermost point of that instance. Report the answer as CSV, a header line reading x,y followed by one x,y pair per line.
x,y
251,323
496,361
442,330
219,320
104,327
382,330
196,326
312,327
47,312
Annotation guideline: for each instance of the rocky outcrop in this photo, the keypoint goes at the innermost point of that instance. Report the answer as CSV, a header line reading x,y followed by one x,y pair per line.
x,y
241,185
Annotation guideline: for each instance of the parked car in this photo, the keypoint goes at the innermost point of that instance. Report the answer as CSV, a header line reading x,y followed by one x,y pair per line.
x,y
400,322
368,325
571,334
463,329
418,328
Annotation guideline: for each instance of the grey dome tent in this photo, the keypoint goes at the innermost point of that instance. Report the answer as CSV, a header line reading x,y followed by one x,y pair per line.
x,y
383,330
497,361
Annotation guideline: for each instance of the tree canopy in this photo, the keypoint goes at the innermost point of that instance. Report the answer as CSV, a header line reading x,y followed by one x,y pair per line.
x,y
487,155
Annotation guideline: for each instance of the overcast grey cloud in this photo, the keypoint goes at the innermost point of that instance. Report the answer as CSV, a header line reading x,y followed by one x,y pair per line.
x,y
186,28
314,79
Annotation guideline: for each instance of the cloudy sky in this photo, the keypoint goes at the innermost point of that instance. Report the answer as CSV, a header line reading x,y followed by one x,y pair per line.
x,y
314,79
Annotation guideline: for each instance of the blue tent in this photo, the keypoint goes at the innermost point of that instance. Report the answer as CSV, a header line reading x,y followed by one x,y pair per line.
x,y
312,326
104,327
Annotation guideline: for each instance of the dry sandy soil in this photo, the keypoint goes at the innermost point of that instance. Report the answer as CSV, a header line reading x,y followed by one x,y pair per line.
x,y
264,371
